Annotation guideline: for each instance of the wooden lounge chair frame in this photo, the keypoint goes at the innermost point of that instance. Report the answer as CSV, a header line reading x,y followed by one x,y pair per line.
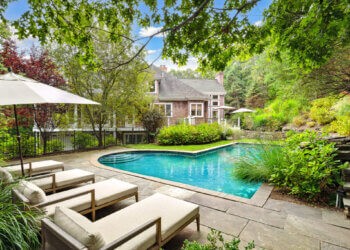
x,y
32,172
49,227
54,187
18,196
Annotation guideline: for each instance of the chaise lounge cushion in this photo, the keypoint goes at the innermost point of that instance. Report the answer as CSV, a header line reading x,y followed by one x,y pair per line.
x,y
5,176
105,191
33,193
64,178
78,227
174,214
38,167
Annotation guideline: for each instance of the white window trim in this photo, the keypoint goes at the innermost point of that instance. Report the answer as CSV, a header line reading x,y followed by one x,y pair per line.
x,y
190,109
165,103
212,97
215,100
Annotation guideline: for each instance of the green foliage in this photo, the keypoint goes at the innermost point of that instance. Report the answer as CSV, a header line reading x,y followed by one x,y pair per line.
x,y
19,228
55,145
320,110
183,134
83,140
110,140
310,167
259,165
341,126
152,121
216,242
276,115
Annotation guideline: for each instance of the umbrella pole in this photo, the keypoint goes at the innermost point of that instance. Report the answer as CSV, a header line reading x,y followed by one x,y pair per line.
x,y
19,140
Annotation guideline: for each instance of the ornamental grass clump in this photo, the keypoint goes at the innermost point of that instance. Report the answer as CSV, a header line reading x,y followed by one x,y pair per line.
x,y
260,164
19,227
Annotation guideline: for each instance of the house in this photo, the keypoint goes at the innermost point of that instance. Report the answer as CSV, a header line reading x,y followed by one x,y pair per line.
x,y
192,100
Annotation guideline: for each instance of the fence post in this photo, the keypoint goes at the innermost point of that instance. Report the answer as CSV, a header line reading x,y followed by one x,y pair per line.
x,y
74,140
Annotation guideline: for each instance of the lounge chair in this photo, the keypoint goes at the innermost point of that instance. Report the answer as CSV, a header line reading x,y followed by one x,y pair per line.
x,y
85,199
54,181
147,224
38,167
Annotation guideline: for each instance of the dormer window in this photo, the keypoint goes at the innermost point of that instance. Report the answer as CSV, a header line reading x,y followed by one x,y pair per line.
x,y
215,97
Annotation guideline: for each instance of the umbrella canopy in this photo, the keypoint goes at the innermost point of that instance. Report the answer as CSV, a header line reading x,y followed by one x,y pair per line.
x,y
242,110
16,89
224,107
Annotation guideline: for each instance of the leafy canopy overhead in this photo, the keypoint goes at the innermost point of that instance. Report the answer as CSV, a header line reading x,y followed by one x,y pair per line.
x,y
212,31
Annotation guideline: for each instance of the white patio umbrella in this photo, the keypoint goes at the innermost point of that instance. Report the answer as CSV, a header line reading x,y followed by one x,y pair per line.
x,y
241,110
16,89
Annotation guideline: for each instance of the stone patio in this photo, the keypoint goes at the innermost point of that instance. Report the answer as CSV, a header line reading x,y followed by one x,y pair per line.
x,y
275,224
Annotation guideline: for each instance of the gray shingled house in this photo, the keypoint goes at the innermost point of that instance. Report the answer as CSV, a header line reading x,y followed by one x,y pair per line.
x,y
195,100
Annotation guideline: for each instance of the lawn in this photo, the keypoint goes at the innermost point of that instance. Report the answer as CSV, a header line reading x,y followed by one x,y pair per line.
x,y
179,147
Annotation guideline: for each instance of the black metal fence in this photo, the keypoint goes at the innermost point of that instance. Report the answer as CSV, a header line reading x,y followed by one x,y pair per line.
x,y
34,145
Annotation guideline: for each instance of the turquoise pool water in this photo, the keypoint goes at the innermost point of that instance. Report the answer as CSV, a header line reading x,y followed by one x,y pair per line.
x,y
210,170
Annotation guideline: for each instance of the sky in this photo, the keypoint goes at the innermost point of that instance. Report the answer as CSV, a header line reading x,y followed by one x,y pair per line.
x,y
154,48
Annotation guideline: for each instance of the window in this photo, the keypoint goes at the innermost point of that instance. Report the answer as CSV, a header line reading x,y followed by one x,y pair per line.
x,y
215,97
215,114
196,109
215,103
166,108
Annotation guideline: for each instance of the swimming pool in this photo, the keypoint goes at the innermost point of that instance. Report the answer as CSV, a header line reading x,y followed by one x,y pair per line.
x,y
210,170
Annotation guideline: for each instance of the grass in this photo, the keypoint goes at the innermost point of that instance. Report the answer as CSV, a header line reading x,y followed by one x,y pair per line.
x,y
179,147
260,141
259,167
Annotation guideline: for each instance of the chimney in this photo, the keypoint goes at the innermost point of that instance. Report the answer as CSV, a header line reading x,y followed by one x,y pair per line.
x,y
220,77
163,68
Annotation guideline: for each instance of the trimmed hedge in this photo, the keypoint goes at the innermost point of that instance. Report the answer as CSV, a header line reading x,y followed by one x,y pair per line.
x,y
183,134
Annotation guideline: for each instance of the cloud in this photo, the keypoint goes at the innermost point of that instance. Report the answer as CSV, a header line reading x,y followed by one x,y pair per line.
x,y
152,51
149,31
24,44
192,63
258,23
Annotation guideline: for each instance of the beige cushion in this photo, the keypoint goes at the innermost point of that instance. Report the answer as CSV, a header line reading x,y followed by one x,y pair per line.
x,y
33,193
65,178
105,192
174,214
37,167
79,227
5,176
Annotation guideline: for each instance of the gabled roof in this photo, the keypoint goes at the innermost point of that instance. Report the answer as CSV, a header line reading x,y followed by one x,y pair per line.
x,y
205,85
173,89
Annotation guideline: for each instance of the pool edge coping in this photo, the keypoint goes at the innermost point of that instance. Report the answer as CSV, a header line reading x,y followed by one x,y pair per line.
x,y
258,199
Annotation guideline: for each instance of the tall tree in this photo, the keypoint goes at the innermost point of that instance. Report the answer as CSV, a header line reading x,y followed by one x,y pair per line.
x,y
120,91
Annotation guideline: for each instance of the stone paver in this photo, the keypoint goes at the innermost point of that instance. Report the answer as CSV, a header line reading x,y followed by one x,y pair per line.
x,y
265,216
273,224
223,222
275,238
295,209
335,218
319,230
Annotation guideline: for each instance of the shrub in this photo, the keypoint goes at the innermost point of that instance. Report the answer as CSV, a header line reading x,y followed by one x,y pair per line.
x,y
19,228
84,140
259,165
55,145
311,124
183,134
321,110
152,121
110,140
216,242
341,126
299,121
311,166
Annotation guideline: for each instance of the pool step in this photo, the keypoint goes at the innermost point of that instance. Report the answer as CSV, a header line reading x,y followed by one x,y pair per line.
x,y
121,158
